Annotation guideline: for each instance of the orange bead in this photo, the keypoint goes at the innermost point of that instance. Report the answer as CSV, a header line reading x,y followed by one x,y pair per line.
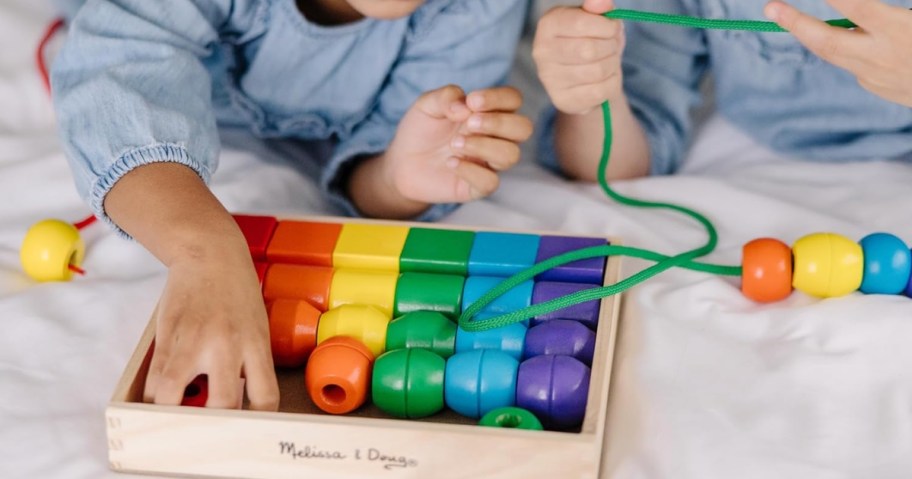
x,y
766,274
292,331
338,374
298,281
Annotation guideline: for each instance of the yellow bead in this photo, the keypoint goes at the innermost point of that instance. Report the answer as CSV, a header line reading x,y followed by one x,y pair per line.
x,y
827,265
363,286
370,246
360,321
49,248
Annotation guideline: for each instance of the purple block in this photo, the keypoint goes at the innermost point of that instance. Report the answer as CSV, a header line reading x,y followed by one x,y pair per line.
x,y
555,389
909,287
586,313
590,270
563,337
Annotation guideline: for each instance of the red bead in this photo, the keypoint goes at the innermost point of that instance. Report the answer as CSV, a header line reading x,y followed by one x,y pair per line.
x,y
766,274
197,392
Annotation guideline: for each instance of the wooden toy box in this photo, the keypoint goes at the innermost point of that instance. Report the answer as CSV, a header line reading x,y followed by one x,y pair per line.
x,y
302,441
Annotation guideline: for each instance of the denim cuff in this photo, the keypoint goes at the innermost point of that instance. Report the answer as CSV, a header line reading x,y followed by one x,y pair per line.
x,y
158,153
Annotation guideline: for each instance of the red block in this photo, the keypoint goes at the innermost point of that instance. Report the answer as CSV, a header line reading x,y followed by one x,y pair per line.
x,y
258,231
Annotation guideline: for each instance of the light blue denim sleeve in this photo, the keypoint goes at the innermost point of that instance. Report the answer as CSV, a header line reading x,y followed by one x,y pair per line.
x,y
470,43
662,68
130,89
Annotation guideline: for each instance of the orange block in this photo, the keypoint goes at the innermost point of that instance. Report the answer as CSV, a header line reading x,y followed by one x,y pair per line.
x,y
298,281
292,331
303,242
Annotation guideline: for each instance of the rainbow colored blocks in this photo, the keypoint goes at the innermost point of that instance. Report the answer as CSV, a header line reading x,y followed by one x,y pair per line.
x,y
347,293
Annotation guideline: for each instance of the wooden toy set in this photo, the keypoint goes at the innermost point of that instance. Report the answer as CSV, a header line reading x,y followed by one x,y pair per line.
x,y
376,379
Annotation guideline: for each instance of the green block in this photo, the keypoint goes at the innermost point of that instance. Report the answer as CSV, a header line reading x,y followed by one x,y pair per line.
x,y
437,251
408,383
422,329
429,292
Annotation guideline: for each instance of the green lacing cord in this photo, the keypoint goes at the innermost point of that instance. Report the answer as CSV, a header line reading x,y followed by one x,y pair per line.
x,y
663,262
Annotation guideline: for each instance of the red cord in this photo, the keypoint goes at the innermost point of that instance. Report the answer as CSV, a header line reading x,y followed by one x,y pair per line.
x,y
76,269
39,55
86,222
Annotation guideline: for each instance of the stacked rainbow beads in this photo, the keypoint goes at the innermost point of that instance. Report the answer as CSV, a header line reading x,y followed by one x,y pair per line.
x,y
826,265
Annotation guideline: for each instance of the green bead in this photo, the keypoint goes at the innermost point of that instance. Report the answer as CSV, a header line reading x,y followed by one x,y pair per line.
x,y
437,251
408,383
423,330
512,418
428,292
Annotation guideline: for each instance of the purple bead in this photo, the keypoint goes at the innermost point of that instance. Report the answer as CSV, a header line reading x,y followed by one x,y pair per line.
x,y
909,288
591,270
561,336
555,389
586,313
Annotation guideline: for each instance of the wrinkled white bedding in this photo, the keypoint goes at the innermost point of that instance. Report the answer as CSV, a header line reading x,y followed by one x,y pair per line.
x,y
707,384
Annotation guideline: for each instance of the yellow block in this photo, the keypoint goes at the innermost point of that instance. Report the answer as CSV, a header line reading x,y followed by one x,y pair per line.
x,y
364,286
369,246
360,321
827,265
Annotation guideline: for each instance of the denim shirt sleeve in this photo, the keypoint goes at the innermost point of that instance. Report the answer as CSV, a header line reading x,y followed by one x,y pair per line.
x,y
130,89
662,68
470,43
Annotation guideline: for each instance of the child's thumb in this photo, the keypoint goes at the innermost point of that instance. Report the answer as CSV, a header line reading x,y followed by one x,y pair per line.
x,y
598,6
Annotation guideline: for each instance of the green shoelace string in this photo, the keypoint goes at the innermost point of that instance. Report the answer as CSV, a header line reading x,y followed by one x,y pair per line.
x,y
687,259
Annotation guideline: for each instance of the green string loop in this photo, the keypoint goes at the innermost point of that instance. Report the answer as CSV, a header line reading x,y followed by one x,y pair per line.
x,y
663,262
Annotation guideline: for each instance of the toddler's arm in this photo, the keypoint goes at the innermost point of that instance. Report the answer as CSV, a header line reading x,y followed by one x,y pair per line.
x,y
579,57
469,45
133,104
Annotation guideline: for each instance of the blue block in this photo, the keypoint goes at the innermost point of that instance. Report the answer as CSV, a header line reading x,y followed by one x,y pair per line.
x,y
478,382
887,264
509,339
517,298
502,254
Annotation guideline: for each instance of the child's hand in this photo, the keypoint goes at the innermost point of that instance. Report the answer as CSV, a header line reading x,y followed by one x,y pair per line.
x,y
877,53
578,55
449,147
211,320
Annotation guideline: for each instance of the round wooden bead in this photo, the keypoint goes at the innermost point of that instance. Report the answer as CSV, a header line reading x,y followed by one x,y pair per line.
x,y
337,375
827,265
887,264
408,383
555,389
561,336
477,382
48,250
766,270
511,418
422,329
292,331
196,394
365,323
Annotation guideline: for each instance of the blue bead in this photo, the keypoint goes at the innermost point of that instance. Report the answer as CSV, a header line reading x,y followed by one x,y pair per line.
x,y
509,339
477,382
887,264
517,298
502,254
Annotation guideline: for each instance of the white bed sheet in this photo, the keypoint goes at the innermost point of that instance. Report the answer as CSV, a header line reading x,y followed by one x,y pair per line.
x,y
707,384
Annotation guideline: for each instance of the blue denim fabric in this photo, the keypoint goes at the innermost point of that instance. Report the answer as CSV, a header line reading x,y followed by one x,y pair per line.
x,y
767,84
141,81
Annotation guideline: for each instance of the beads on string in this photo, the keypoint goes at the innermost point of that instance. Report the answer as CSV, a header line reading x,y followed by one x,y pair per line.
x,y
825,265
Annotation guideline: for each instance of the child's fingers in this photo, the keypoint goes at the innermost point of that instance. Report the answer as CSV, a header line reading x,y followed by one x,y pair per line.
x,y
598,6
444,103
224,387
474,181
495,99
155,368
172,381
262,388
579,51
574,23
508,126
498,154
